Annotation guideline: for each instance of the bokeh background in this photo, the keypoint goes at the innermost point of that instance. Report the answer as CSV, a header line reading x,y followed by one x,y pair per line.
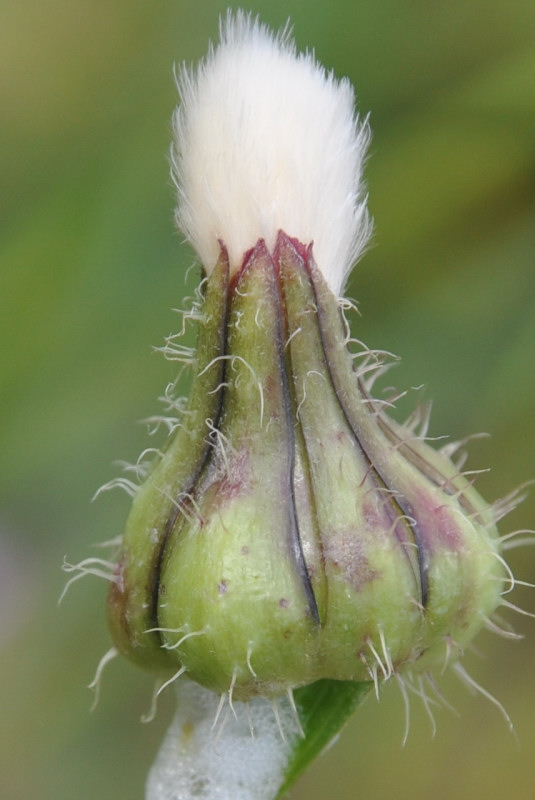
x,y
90,269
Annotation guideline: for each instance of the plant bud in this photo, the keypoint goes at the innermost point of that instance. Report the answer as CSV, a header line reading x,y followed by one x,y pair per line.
x,y
292,531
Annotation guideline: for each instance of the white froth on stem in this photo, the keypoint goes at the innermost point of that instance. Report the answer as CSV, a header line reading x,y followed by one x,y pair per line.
x,y
242,756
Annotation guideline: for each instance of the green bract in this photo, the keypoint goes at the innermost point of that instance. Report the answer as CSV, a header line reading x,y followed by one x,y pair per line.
x,y
291,531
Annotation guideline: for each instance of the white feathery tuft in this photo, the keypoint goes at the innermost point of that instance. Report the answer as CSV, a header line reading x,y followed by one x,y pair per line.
x,y
266,140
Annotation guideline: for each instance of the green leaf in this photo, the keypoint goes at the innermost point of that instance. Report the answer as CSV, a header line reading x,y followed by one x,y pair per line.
x,y
324,708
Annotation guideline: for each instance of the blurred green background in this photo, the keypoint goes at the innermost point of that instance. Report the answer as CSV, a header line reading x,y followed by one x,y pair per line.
x,y
90,268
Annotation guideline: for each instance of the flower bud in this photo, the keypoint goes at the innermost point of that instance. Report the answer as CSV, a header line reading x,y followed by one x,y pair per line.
x,y
292,531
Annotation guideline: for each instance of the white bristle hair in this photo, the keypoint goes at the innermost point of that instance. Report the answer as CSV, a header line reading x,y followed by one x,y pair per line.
x,y
266,140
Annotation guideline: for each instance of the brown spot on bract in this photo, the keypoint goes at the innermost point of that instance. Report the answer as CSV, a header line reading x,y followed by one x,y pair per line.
x,y
345,550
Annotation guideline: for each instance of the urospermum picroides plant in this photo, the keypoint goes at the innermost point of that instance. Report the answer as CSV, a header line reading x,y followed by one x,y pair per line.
x,y
292,542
